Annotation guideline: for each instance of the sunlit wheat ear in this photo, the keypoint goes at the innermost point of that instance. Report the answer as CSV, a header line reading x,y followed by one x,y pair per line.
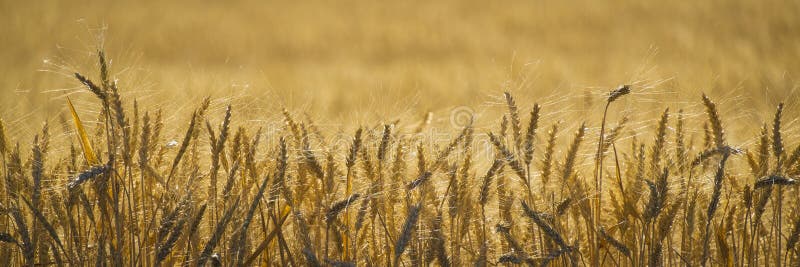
x,y
405,233
87,175
518,254
47,226
547,160
187,138
239,245
170,218
555,254
619,92
503,127
383,147
338,207
217,234
794,236
353,155
761,205
194,224
715,121
614,134
293,126
712,206
659,142
7,238
791,162
531,134
163,250
513,112
663,229
777,141
572,153
310,158
772,180
487,181
22,229
658,195
546,228
439,242
509,157
96,90
616,244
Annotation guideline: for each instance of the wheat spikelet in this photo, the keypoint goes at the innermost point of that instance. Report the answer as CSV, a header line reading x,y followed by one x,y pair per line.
x,y
293,126
226,190
417,182
439,240
794,236
338,207
387,134
86,175
773,180
572,153
531,134
405,233
509,157
100,93
7,238
762,167
169,219
663,230
619,246
547,161
712,206
453,193
793,158
194,224
555,254
352,156
513,111
777,141
163,250
517,255
217,234
22,229
144,144
239,245
184,145
308,153
658,195
659,143
761,205
547,229
619,92
614,134
487,181
510,258
715,121
47,226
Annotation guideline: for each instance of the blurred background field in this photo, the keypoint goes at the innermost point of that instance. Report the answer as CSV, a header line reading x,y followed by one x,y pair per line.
x,y
372,61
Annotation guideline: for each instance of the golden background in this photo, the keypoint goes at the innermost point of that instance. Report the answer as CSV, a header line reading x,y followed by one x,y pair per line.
x,y
368,61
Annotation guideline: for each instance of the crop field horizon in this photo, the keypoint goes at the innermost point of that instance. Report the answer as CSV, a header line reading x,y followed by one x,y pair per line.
x,y
406,133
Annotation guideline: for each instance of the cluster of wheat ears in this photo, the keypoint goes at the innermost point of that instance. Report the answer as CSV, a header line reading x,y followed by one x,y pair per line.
x,y
222,197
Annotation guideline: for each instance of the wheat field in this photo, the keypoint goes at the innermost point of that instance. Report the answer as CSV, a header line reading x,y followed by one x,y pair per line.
x,y
411,133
